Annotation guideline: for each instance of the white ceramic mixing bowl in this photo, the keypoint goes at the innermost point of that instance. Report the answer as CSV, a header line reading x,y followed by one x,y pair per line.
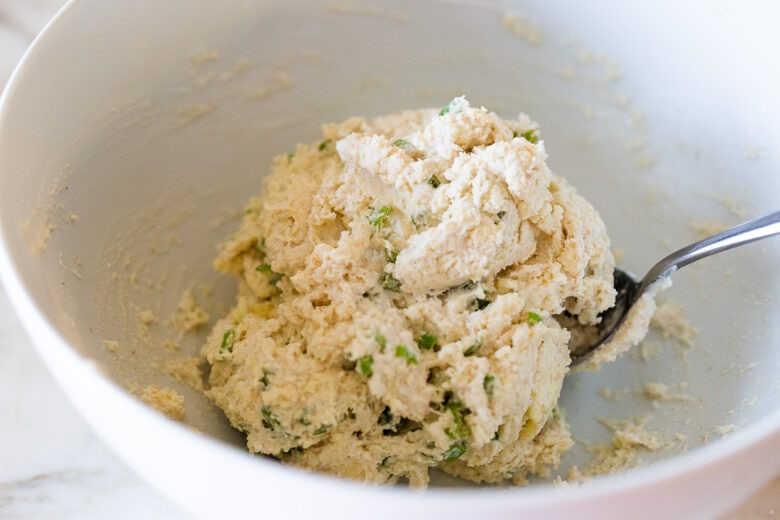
x,y
133,132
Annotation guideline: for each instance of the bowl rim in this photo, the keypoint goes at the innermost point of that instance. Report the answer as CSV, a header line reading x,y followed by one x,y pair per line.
x,y
698,460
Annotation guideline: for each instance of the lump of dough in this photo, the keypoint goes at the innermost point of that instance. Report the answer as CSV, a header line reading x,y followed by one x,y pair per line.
x,y
399,286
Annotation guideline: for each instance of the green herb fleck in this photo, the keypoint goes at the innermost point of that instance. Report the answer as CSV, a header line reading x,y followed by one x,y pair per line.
x,y
377,217
434,181
514,134
242,427
290,156
449,108
473,348
264,380
478,304
496,436
260,247
426,341
228,337
436,377
384,462
531,136
402,351
489,384
392,254
439,407
381,340
420,220
263,268
364,365
401,143
391,283
303,420
322,429
534,318
270,420
292,451
454,451
386,417
501,214
324,144
459,411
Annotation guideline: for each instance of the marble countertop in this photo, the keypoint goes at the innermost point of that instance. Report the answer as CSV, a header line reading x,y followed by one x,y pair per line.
x,y
52,466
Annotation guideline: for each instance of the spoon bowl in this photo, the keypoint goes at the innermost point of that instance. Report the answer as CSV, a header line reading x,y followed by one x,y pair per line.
x,y
586,341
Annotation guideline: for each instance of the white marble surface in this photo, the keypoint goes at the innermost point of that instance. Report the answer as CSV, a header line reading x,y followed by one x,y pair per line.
x,y
51,464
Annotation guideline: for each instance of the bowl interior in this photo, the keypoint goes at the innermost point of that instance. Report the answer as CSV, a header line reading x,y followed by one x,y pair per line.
x,y
125,164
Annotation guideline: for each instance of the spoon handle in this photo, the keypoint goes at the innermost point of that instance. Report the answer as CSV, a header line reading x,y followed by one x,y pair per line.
x,y
738,235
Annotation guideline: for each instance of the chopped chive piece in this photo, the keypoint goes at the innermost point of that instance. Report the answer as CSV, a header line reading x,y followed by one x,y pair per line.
x,y
534,318
381,340
459,411
324,144
384,462
228,337
436,377
391,283
290,156
420,220
322,429
386,417
402,351
392,254
436,406
489,384
377,217
495,436
479,303
434,181
454,451
426,341
401,143
303,420
514,134
473,348
270,420
364,365
242,427
264,380
292,451
530,136
263,268
449,108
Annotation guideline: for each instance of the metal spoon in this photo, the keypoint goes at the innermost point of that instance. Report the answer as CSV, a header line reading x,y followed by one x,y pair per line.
x,y
629,290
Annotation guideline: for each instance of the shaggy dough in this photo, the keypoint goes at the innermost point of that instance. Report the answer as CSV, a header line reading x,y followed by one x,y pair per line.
x,y
399,287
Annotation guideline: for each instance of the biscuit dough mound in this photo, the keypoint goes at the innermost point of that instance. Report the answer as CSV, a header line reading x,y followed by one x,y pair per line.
x,y
399,283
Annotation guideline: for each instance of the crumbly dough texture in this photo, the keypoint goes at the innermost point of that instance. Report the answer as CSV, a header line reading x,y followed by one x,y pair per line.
x,y
164,400
365,246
